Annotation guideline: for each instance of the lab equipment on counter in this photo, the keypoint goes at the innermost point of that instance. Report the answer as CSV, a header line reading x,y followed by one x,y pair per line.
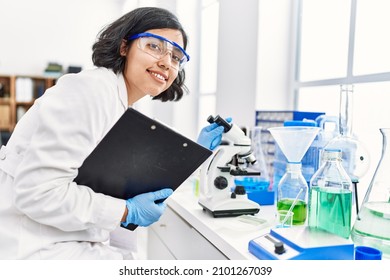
x,y
372,225
294,142
285,218
257,187
273,118
301,243
356,158
217,174
367,253
310,160
330,196
288,214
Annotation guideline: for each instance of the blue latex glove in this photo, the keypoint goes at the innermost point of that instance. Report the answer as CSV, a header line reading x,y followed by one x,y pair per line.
x,y
211,136
142,209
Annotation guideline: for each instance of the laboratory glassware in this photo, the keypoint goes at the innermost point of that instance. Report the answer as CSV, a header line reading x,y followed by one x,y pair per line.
x,y
293,141
330,196
372,225
309,160
355,156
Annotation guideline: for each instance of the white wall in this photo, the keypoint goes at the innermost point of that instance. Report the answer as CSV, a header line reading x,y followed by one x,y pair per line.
x,y
237,61
255,58
276,55
35,32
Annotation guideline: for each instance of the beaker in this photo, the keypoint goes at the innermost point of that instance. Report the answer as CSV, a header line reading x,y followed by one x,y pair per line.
x,y
372,225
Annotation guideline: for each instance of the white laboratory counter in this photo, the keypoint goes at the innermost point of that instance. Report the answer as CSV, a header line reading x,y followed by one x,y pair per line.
x,y
185,231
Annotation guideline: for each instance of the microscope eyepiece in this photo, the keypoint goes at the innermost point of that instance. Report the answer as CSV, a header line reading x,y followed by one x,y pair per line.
x,y
220,121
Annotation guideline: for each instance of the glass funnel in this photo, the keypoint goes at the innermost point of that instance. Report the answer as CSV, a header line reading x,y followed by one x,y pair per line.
x,y
372,225
293,141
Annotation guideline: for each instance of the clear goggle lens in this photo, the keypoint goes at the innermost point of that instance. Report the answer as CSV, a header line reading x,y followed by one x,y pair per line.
x,y
159,48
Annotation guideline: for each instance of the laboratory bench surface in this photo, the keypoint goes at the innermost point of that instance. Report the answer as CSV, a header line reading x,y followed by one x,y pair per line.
x,y
186,231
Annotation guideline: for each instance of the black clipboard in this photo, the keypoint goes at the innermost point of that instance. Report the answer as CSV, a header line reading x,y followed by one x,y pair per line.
x,y
140,155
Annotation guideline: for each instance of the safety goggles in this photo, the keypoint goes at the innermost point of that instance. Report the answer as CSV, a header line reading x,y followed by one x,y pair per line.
x,y
158,47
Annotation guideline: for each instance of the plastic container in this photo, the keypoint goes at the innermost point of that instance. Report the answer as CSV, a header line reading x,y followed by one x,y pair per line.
x,y
330,198
367,253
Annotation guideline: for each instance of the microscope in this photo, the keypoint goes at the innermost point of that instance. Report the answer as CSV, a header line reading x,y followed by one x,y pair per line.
x,y
218,193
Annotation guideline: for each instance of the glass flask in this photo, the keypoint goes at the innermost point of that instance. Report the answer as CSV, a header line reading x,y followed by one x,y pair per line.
x,y
355,156
292,188
330,198
372,225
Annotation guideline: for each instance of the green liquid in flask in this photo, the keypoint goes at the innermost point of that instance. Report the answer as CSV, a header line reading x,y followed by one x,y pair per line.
x,y
330,210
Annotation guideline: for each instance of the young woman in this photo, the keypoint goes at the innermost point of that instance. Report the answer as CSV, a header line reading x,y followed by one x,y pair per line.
x,y
44,214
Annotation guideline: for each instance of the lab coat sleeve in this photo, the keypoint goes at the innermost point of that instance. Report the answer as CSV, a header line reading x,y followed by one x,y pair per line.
x,y
70,120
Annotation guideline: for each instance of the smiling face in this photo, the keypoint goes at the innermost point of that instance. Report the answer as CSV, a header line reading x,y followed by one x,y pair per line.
x,y
145,74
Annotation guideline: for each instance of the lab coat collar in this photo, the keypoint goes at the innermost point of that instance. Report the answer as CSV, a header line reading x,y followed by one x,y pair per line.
x,y
122,91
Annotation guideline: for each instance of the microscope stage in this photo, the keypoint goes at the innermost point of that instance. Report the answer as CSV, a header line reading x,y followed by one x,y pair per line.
x,y
232,211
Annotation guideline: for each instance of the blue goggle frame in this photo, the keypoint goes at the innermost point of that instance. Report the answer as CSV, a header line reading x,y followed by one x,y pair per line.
x,y
147,34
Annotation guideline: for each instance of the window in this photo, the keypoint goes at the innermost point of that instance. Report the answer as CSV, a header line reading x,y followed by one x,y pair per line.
x,y
346,42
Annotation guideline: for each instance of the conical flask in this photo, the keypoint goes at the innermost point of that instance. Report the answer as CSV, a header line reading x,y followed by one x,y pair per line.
x,y
372,225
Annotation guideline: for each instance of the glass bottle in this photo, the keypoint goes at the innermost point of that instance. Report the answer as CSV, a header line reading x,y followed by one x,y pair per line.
x,y
330,198
293,186
372,225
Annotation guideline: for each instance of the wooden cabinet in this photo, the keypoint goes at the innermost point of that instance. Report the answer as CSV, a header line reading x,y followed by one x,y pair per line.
x,y
17,94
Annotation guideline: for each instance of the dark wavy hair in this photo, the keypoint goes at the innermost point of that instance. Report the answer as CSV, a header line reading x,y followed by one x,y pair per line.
x,y
106,50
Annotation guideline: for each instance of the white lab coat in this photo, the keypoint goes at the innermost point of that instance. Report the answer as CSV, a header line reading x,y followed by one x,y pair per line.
x,y
43,213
